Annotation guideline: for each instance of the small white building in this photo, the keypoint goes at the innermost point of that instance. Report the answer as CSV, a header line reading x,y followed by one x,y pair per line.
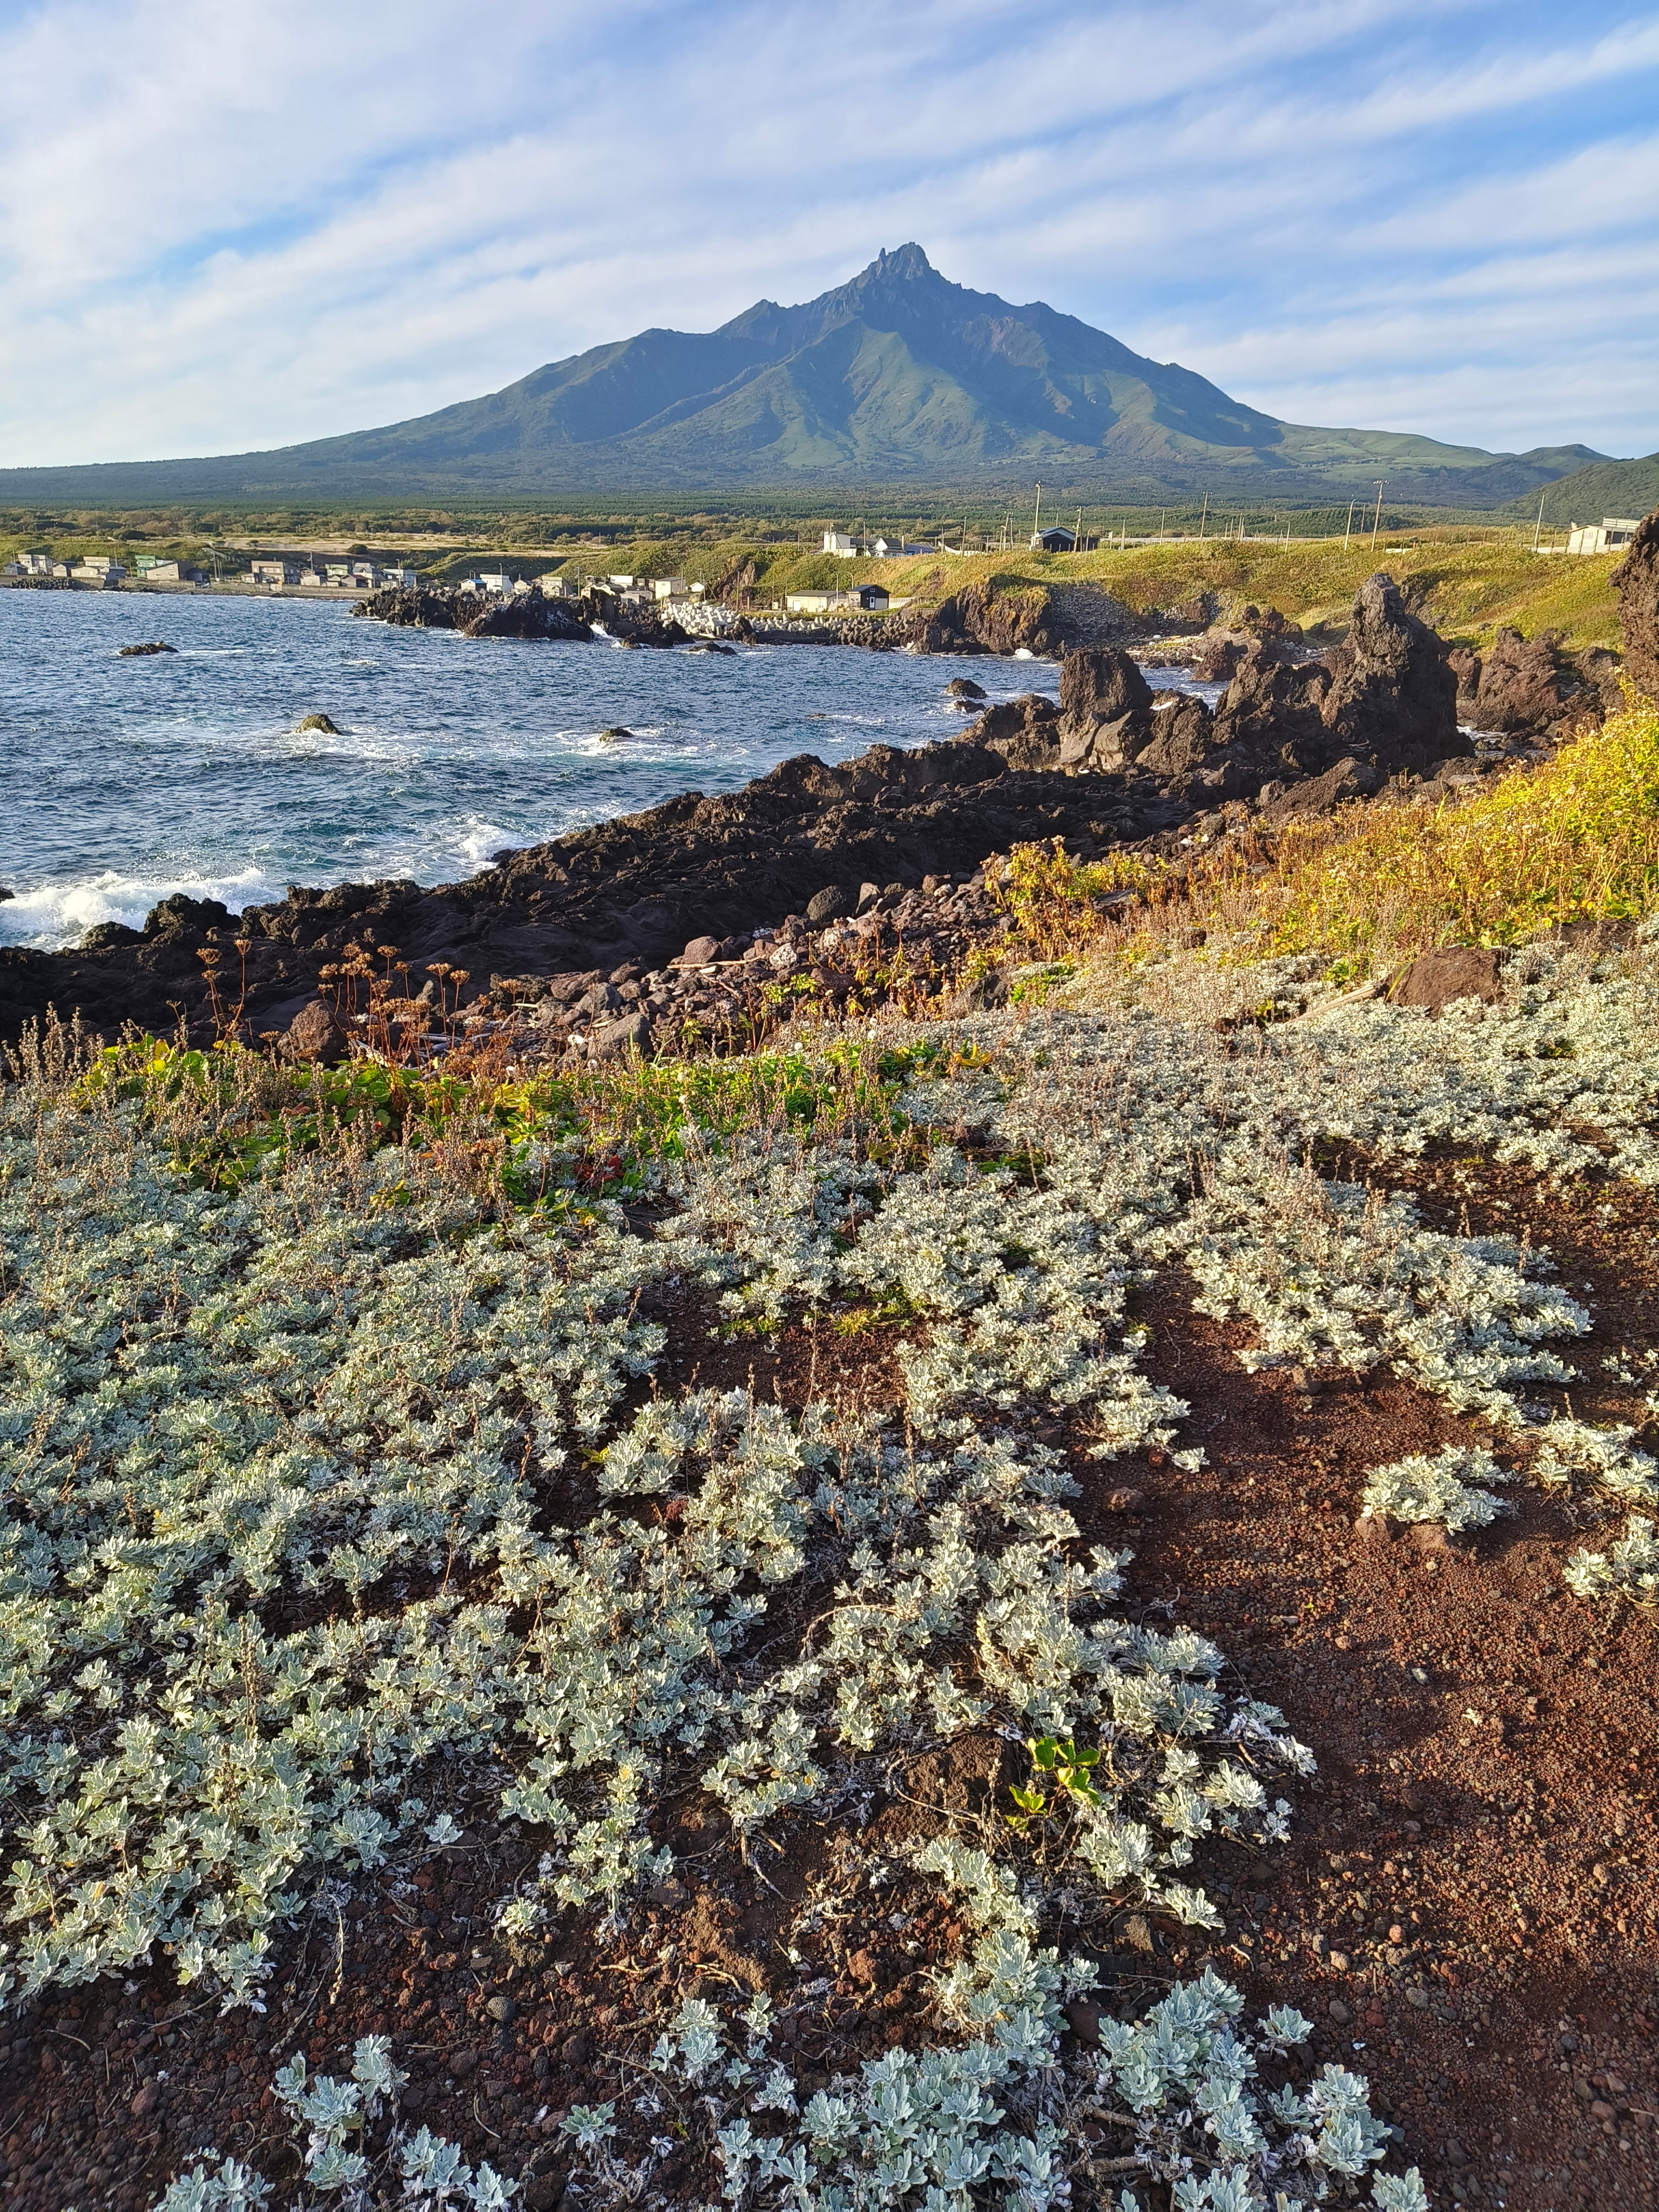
x,y
622,583
35,564
98,570
496,581
1608,535
174,572
838,542
554,587
275,570
863,599
670,587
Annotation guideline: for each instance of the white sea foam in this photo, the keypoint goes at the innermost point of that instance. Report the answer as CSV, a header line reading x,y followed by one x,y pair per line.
x,y
56,915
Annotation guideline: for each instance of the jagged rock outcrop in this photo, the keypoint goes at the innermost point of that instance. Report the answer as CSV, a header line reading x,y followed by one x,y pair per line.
x,y
1105,709
1024,731
1391,692
1522,683
1636,579
1183,739
1272,710
526,614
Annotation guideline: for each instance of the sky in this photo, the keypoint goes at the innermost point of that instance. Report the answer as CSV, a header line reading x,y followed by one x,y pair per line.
x,y
230,228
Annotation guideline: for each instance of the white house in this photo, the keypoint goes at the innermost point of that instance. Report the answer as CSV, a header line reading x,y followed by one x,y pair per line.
x,y
670,587
866,599
495,580
1612,531
837,542
35,564
99,569
279,570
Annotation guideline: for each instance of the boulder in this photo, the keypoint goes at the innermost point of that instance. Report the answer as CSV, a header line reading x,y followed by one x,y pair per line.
x,y
1523,683
1100,684
1436,979
1219,658
1636,579
141,652
1349,779
610,1040
828,904
1023,732
314,1034
183,914
1391,697
318,722
964,688
699,952
1183,735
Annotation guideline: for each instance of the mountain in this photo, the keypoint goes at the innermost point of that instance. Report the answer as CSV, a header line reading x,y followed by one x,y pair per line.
x,y
898,376
1629,488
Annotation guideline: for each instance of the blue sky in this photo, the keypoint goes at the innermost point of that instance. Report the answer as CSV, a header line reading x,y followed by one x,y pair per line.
x,y
223,228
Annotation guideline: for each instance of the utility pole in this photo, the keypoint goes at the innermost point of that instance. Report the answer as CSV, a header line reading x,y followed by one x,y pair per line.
x,y
1537,527
1077,535
1036,512
1203,519
1162,512
1348,527
1376,519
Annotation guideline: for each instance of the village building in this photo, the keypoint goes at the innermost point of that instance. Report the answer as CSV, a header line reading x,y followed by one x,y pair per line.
x,y
863,599
1054,541
35,564
1608,535
671,588
97,568
173,572
838,542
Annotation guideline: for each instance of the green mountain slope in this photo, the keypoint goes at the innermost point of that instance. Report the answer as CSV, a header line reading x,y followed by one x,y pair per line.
x,y
1628,488
898,375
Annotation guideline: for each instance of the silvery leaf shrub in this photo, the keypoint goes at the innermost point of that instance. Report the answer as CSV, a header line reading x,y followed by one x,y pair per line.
x,y
995,2118
349,2162
1444,1489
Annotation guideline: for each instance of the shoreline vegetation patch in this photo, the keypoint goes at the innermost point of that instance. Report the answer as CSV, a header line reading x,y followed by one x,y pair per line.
x,y
359,1501
352,1505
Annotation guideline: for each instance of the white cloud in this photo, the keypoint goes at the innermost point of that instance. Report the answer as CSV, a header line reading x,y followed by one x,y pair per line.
x,y
231,228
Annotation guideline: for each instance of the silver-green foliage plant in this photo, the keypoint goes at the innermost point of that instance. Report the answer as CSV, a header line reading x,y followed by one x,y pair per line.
x,y
1445,1489
1629,1568
358,2157
995,2117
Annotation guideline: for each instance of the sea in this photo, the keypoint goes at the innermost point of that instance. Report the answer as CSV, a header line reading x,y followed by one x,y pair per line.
x,y
124,781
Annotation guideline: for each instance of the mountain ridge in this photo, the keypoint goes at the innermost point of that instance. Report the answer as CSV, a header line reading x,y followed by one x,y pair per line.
x,y
898,375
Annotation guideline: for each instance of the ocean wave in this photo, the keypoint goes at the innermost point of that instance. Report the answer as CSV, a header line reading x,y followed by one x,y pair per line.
x,y
52,915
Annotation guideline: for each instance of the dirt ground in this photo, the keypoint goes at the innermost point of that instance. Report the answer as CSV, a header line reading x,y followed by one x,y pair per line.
x,y
1469,1908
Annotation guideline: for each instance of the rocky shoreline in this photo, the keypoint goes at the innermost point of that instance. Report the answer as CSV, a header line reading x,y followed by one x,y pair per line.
x,y
709,915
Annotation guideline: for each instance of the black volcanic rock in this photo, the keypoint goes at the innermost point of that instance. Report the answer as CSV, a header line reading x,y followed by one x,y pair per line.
x,y
1524,684
1636,579
1391,691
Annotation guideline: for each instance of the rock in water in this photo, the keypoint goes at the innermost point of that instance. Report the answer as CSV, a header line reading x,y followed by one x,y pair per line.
x,y
614,734
139,652
318,722
1636,579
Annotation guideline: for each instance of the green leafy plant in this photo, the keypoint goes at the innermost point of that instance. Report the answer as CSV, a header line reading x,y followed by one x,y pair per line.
x,y
1059,1783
